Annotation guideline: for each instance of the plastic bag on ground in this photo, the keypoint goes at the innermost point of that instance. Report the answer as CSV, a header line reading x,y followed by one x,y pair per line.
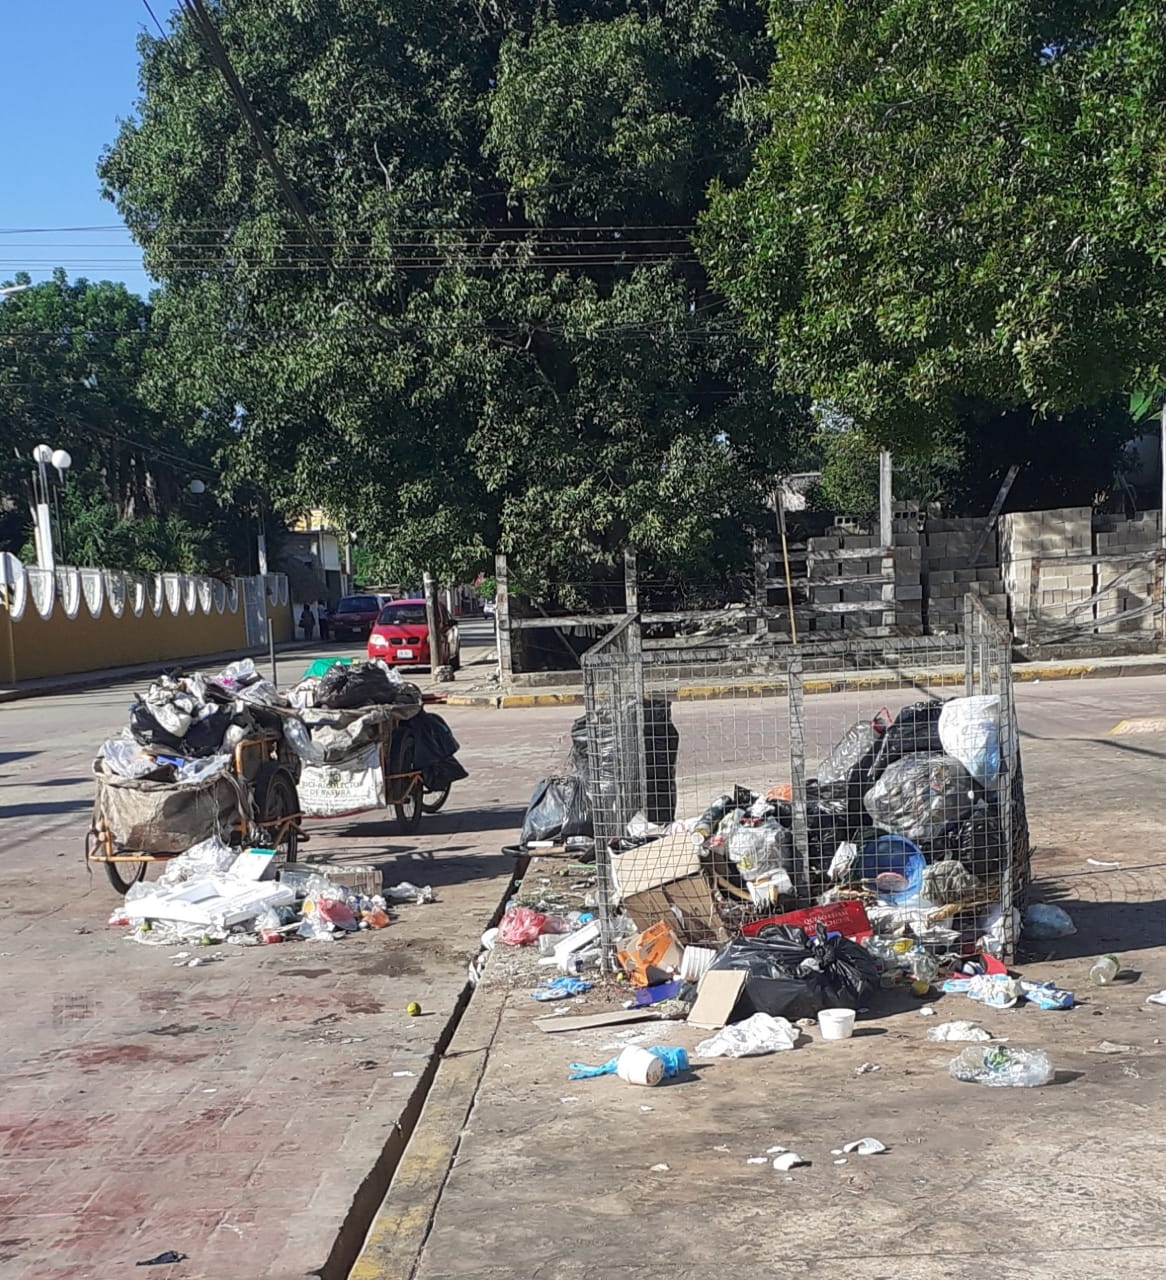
x,y
969,729
919,796
998,1066
557,810
959,1030
1043,921
407,892
756,1035
521,925
205,858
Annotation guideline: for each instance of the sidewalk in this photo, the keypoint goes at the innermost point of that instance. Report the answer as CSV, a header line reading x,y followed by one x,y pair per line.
x,y
516,1171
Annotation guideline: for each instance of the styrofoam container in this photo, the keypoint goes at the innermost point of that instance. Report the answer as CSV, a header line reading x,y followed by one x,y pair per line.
x,y
638,1066
836,1024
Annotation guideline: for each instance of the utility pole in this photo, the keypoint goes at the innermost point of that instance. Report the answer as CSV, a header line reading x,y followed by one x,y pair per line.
x,y
431,621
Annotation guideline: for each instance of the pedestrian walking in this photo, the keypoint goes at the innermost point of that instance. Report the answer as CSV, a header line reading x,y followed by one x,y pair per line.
x,y
307,622
323,619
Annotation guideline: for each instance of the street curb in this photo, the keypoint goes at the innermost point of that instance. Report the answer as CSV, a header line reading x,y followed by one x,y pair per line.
x,y
402,1224
1026,673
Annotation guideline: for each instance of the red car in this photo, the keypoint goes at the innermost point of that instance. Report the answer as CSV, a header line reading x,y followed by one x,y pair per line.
x,y
355,615
401,636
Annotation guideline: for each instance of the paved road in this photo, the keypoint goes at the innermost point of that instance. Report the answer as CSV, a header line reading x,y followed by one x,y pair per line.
x,y
233,1111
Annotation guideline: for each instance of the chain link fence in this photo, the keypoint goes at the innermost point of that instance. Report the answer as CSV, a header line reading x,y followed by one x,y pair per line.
x,y
730,783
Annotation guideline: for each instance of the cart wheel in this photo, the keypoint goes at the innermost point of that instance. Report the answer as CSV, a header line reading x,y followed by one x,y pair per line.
x,y
124,875
433,801
276,798
410,809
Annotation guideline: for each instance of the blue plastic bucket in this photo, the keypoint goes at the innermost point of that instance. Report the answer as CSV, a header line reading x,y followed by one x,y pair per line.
x,y
896,866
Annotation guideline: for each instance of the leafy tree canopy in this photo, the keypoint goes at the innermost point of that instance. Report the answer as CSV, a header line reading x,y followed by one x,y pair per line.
x,y
955,203
495,332
73,358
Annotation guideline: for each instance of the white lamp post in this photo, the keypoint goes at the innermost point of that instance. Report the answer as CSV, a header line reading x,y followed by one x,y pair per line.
x,y
44,456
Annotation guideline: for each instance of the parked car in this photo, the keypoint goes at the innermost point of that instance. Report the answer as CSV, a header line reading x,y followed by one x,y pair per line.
x,y
488,609
355,615
401,636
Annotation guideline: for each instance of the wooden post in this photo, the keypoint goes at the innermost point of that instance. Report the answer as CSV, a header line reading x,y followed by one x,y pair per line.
x,y
502,619
631,587
886,501
431,623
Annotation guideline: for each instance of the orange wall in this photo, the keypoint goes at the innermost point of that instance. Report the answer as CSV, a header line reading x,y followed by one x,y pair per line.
x,y
32,646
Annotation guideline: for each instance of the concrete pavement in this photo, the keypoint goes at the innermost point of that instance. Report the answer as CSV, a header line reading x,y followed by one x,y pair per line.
x,y
246,1112
515,1171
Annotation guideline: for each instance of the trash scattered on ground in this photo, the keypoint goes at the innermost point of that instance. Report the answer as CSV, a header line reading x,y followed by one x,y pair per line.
x,y
757,1160
658,1168
864,1147
789,1160
1000,1066
404,1075
756,1035
1096,862
1000,991
960,1030
1159,997
164,1259
1109,1047
866,1068
647,1108
637,1065
561,988
1104,970
927,1011
836,1024
1043,921
841,1161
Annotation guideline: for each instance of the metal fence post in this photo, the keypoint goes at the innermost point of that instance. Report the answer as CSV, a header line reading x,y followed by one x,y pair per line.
x,y
797,774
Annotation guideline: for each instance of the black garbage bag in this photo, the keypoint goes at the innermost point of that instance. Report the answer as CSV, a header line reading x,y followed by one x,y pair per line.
x,y
976,842
557,811
920,796
852,758
434,751
793,975
363,684
661,743
203,738
914,732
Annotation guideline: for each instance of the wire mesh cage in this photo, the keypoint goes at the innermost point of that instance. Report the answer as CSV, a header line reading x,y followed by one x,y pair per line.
x,y
730,785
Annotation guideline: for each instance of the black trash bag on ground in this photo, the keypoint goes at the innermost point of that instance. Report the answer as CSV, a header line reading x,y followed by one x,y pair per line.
x,y
434,751
661,743
363,684
792,975
921,796
914,732
557,810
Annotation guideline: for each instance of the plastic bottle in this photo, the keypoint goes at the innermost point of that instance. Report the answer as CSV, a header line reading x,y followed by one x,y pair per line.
x,y
1104,970
997,1065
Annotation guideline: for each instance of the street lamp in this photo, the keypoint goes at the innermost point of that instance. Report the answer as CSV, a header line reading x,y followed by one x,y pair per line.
x,y
45,456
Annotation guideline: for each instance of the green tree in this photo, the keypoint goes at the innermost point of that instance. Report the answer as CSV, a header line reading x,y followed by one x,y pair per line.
x,y
74,358
493,332
956,206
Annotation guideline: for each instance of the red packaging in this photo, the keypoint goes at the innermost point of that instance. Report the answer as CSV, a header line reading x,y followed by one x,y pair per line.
x,y
846,918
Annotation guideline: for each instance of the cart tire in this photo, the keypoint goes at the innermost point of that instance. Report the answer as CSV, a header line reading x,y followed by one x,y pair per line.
x,y
124,875
410,809
275,798
434,804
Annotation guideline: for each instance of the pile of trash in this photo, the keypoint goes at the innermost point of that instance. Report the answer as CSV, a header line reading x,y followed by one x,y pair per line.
x,y
186,726
214,894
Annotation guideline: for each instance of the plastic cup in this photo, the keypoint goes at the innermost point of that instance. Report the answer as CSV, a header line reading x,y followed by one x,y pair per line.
x,y
836,1024
639,1066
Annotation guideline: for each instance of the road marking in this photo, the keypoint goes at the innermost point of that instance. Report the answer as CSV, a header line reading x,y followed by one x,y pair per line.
x,y
1140,724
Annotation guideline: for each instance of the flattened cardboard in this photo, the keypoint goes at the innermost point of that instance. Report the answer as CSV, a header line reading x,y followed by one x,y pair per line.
x,y
716,998
655,863
611,1018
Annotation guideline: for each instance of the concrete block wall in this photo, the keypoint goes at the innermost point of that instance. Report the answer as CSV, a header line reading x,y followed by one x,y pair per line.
x,y
949,575
1047,535
1133,587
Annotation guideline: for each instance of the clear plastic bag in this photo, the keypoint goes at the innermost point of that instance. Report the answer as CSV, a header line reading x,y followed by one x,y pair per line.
x,y
754,1036
998,1066
919,796
126,758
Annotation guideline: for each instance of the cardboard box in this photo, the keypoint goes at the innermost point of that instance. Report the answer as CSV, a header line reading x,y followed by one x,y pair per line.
x,y
687,905
651,956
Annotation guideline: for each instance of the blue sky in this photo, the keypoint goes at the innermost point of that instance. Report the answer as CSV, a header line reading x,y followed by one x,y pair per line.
x,y
69,72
